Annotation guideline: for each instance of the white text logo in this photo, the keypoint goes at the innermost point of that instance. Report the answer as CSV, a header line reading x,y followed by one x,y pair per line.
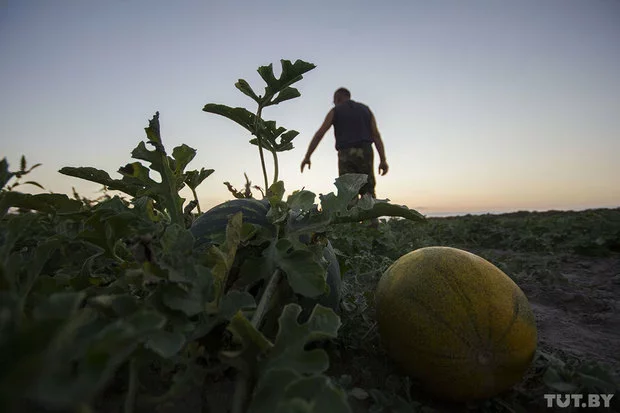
x,y
578,400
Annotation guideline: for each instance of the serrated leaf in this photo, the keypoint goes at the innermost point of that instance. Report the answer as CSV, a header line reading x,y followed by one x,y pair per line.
x,y
301,200
182,155
285,141
223,257
102,177
59,305
5,174
143,153
275,193
165,343
189,302
553,380
359,394
320,393
239,115
254,345
120,305
234,301
48,203
195,178
265,144
348,186
246,89
289,351
153,131
177,240
291,73
34,184
286,94
285,391
379,209
304,273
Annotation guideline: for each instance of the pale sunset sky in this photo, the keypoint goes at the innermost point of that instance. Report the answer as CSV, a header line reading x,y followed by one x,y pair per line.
x,y
483,106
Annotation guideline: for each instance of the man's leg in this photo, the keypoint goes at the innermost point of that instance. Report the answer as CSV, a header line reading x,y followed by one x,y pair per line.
x,y
349,162
367,167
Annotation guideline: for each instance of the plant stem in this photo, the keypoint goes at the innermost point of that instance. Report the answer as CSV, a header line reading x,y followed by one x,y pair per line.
x,y
242,387
130,398
275,166
196,198
261,309
260,145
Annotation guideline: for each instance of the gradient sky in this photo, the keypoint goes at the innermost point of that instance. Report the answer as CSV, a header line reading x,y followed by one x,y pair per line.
x,y
483,106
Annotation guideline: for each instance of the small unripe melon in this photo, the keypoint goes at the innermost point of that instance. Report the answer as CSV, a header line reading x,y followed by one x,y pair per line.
x,y
455,322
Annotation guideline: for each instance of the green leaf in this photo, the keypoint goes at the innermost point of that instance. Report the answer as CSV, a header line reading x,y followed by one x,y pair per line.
x,y
378,209
5,174
234,301
120,305
177,240
291,73
190,302
182,155
244,87
254,344
49,203
289,348
286,391
165,343
348,186
152,131
285,141
130,187
223,257
195,178
239,115
275,193
139,174
320,393
304,273
59,305
286,94
301,200
552,379
34,184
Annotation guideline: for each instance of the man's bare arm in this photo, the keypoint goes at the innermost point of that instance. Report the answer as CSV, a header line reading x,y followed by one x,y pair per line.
x,y
376,137
327,123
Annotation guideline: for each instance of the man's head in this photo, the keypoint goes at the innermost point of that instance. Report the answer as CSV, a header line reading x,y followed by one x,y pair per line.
x,y
341,95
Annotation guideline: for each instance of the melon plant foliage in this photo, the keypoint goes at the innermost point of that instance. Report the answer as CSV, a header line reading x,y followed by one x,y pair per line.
x,y
92,293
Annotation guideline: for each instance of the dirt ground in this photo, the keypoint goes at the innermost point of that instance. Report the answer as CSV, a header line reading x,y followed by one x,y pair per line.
x,y
575,301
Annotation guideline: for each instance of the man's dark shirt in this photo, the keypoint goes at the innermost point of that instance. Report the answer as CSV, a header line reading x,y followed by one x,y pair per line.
x,y
352,125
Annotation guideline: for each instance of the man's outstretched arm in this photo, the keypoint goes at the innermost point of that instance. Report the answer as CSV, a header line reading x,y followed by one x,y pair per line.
x,y
327,123
376,137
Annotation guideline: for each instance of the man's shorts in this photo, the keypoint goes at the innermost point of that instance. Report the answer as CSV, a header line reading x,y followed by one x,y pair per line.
x,y
358,161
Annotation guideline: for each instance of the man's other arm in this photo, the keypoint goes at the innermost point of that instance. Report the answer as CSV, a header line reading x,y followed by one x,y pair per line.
x,y
327,123
376,137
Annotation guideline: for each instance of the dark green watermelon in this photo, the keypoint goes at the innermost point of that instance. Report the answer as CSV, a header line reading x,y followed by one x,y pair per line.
x,y
210,227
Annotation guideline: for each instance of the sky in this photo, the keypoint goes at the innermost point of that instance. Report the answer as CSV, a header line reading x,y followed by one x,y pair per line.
x,y
483,106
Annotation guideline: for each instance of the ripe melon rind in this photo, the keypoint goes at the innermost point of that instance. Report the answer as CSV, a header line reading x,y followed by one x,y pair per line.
x,y
495,341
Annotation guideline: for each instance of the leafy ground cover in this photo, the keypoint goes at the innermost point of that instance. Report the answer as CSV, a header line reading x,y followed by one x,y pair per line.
x,y
109,305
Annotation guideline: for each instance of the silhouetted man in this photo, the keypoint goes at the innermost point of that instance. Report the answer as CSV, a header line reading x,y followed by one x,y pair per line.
x,y
355,129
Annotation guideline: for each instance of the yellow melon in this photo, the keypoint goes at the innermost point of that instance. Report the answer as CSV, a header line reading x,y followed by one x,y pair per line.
x,y
456,322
